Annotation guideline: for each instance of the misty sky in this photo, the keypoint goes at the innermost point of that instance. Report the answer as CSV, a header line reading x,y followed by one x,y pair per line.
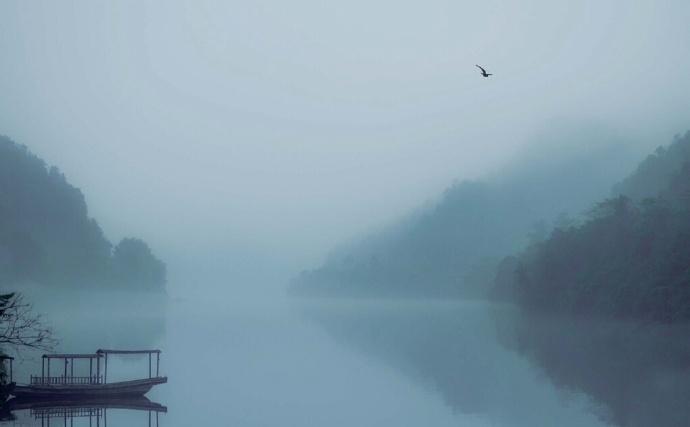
x,y
239,137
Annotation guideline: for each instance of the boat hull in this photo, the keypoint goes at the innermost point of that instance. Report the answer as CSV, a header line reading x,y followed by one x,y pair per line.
x,y
121,388
138,403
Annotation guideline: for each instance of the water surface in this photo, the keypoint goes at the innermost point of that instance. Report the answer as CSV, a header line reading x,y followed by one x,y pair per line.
x,y
319,362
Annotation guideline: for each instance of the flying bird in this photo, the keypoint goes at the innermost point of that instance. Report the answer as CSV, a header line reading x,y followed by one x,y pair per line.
x,y
484,73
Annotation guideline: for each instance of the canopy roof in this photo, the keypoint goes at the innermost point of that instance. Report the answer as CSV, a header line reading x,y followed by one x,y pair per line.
x,y
101,351
98,353
72,356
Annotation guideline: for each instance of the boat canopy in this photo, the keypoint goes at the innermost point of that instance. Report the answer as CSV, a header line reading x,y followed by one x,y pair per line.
x,y
100,377
105,353
72,356
67,377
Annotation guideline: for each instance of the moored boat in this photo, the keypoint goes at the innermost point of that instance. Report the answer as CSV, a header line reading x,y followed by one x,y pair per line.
x,y
121,388
95,384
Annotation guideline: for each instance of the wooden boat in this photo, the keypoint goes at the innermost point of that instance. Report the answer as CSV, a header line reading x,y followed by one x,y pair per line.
x,y
120,388
95,385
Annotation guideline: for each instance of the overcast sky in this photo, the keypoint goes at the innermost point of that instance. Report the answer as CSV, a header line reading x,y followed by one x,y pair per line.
x,y
250,136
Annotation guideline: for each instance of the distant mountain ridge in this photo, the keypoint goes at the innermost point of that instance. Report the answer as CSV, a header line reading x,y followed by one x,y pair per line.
x,y
453,248
47,237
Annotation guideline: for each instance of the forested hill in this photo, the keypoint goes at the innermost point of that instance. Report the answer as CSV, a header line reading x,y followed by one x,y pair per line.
x,y
47,237
452,249
629,258
656,172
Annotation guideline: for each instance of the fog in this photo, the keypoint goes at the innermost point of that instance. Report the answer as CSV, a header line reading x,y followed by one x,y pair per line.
x,y
323,214
245,140
310,363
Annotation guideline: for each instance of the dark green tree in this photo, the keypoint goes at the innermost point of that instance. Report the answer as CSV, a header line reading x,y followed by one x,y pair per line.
x,y
135,265
46,234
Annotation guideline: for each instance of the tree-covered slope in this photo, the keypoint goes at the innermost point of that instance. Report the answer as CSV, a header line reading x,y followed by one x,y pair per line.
x,y
46,235
629,258
452,248
655,173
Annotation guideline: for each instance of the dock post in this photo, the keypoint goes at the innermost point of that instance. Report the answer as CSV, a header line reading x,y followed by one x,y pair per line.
x,y
48,363
149,365
105,375
98,369
158,362
90,371
64,378
43,370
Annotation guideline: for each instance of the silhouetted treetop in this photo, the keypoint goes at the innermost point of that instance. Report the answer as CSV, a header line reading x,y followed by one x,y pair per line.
x,y
46,234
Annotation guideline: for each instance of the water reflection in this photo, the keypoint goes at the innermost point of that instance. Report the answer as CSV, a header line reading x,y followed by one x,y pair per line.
x,y
520,370
342,363
639,372
454,350
81,412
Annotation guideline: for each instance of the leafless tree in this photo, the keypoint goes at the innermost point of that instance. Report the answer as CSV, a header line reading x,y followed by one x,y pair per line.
x,y
20,327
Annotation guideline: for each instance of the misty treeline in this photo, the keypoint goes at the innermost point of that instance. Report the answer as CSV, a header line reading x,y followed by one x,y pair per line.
x,y
47,237
454,247
630,257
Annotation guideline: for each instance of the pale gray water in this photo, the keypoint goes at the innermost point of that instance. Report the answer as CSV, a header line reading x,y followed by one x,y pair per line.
x,y
318,363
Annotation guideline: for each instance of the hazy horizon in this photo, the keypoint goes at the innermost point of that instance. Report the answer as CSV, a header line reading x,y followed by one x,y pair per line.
x,y
244,141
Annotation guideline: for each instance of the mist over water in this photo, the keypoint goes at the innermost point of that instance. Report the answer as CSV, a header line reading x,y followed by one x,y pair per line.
x,y
323,215
259,362
245,140
313,362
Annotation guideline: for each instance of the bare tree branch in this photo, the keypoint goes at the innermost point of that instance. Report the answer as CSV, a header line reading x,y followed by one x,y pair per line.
x,y
20,327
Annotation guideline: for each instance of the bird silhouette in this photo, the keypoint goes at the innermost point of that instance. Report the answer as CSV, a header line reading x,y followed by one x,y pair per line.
x,y
484,73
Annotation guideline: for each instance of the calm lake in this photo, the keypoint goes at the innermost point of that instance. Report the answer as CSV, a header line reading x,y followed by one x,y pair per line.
x,y
318,363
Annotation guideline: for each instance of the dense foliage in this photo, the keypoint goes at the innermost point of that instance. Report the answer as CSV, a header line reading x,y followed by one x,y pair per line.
x,y
46,235
134,263
629,258
452,248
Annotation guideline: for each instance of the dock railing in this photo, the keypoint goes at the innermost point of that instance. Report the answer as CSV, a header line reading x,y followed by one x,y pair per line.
x,y
66,380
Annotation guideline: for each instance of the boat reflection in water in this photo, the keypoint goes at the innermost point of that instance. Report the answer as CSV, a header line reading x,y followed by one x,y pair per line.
x,y
66,398
80,411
